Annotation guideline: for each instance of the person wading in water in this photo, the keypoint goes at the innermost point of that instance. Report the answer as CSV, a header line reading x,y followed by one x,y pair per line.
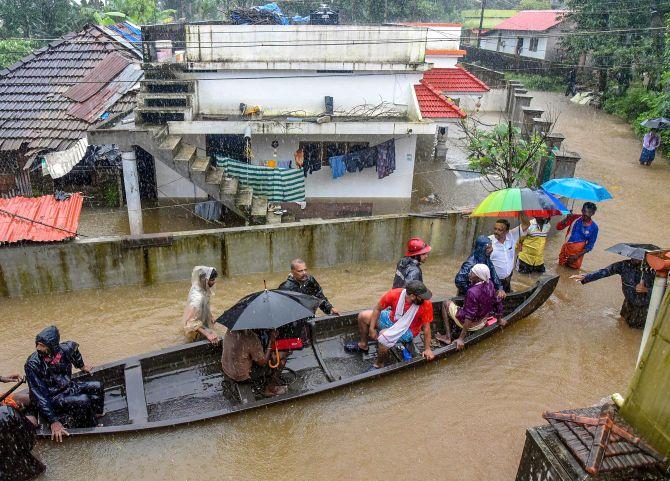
x,y
409,267
198,321
637,279
580,238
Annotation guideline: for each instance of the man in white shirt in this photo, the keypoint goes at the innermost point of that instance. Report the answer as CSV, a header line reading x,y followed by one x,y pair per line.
x,y
504,243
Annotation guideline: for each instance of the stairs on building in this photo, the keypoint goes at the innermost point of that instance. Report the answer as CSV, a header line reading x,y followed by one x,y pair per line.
x,y
193,164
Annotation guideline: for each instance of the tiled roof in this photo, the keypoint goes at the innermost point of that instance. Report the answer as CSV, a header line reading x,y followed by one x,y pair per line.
x,y
42,219
533,20
50,98
434,105
454,80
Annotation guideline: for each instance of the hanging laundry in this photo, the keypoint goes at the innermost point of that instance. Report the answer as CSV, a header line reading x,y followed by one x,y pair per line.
x,y
337,165
369,157
352,161
385,158
284,164
312,159
299,158
210,210
278,185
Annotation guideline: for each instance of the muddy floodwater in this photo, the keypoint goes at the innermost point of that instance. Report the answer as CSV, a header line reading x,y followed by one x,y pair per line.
x,y
458,419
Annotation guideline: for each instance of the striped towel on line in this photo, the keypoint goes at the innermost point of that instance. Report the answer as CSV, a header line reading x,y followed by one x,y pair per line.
x,y
278,185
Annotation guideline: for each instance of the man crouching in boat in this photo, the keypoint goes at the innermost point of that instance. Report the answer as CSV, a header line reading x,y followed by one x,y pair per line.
x,y
56,394
481,302
244,361
399,316
198,321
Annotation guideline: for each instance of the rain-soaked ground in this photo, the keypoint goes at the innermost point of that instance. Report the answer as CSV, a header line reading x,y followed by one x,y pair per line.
x,y
458,419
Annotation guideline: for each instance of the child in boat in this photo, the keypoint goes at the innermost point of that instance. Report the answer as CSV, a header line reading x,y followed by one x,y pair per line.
x,y
481,302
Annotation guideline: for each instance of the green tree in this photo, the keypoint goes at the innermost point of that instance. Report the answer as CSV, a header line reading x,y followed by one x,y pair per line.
x,y
38,18
534,5
11,51
503,156
618,38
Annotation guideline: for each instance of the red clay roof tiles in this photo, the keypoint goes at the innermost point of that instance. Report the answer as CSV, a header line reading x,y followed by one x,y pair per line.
x,y
532,20
434,105
454,80
39,219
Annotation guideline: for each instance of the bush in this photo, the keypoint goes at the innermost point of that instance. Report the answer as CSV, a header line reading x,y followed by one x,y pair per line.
x,y
547,83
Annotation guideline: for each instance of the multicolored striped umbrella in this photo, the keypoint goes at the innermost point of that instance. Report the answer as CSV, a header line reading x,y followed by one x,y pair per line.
x,y
511,202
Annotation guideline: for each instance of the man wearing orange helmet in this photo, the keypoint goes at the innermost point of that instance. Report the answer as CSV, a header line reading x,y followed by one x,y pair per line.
x,y
409,267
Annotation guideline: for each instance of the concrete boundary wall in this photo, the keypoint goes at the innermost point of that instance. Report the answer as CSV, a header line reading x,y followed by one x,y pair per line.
x,y
113,261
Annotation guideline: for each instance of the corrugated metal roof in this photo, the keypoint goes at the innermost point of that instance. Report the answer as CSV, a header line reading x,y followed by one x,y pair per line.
x,y
532,20
97,78
39,219
454,80
434,105
34,111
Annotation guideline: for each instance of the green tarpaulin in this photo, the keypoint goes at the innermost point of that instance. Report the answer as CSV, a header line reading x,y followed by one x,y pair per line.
x,y
278,185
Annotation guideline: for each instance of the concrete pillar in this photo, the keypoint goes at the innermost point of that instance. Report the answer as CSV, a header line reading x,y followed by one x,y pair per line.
x,y
132,184
512,103
541,126
566,162
520,101
528,114
555,140
511,85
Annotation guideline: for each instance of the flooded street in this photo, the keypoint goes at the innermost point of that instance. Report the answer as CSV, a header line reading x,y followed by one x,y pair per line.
x,y
458,419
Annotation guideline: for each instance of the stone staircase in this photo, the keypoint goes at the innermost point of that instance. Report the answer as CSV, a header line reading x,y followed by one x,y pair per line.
x,y
193,164
163,100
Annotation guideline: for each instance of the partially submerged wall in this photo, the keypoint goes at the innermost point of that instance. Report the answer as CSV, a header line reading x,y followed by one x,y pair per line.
x,y
113,261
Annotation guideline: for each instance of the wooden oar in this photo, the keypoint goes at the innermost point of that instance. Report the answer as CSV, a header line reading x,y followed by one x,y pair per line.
x,y
14,388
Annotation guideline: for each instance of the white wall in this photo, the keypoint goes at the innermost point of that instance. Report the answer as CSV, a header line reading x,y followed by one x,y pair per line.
x,y
509,41
440,61
312,44
442,37
304,94
172,184
352,185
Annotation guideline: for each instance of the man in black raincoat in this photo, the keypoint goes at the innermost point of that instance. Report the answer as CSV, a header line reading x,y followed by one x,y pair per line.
x,y
637,279
57,396
299,280
17,439
409,267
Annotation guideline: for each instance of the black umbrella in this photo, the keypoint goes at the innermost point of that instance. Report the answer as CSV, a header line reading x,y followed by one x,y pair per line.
x,y
633,251
269,309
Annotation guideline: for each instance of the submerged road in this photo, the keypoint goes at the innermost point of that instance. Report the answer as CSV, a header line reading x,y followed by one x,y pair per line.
x,y
459,419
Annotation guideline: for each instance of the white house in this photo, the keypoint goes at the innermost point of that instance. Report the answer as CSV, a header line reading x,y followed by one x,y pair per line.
x,y
280,95
530,33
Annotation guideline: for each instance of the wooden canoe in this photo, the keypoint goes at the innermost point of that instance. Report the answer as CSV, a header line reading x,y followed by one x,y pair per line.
x,y
185,384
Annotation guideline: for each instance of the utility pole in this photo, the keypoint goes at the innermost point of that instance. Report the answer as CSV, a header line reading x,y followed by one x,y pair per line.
x,y
386,9
481,23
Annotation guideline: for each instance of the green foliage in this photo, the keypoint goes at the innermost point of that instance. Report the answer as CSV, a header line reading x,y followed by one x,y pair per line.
x,y
110,193
11,51
538,82
38,18
503,156
534,5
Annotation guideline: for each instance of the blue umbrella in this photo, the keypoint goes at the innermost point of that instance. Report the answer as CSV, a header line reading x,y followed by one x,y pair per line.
x,y
576,188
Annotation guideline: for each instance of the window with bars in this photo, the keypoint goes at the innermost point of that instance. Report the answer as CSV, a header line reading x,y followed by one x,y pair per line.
x,y
533,44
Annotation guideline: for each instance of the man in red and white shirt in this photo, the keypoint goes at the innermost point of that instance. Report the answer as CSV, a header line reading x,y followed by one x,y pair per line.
x,y
399,316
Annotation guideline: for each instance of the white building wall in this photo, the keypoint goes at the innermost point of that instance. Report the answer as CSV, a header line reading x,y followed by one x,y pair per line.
x,y
364,184
275,45
509,42
171,184
302,93
440,61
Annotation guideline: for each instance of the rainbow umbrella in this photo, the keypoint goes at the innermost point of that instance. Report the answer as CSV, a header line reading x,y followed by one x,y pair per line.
x,y
511,202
